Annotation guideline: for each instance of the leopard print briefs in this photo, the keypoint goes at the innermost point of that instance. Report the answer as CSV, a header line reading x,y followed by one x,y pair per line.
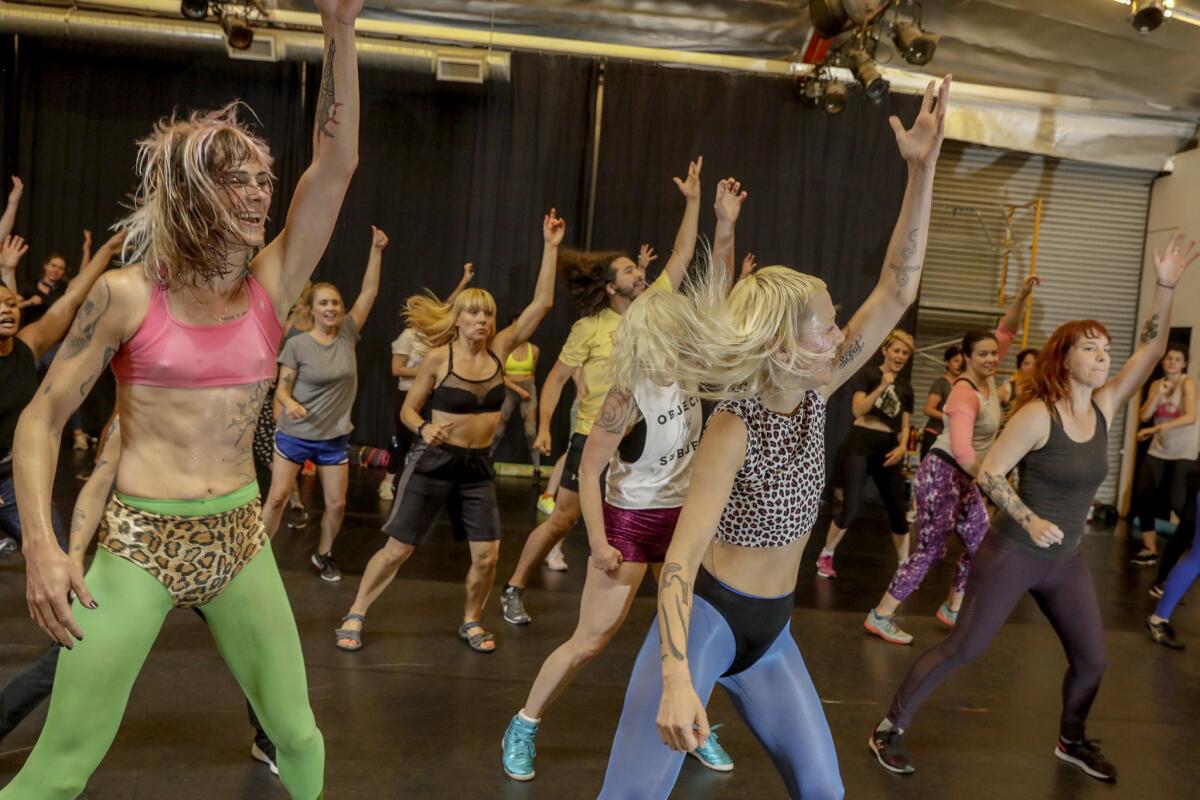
x,y
777,492
194,558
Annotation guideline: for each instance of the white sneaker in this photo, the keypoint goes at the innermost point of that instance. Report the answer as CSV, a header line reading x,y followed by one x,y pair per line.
x,y
555,559
258,755
386,490
81,441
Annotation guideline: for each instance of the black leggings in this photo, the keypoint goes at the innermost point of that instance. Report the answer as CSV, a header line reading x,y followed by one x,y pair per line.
x,y
864,454
1159,490
1001,573
1182,539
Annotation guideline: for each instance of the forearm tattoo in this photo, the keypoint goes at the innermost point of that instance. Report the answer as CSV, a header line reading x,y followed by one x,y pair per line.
x,y
1002,495
850,352
905,271
84,326
674,609
1150,330
327,104
617,413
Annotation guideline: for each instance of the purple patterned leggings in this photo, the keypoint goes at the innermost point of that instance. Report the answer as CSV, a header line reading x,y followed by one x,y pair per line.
x,y
947,501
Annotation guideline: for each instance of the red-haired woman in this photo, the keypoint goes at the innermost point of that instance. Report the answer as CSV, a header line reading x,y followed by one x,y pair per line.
x,y
1059,436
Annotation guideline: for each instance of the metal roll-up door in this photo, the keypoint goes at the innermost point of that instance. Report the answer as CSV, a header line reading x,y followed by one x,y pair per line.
x,y
1089,256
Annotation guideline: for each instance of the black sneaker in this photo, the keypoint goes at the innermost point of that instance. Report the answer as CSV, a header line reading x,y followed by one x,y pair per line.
x,y
1144,558
1162,633
1087,756
889,752
328,567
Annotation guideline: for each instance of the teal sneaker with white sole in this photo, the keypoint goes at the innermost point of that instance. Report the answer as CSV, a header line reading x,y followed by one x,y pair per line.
x,y
711,754
519,749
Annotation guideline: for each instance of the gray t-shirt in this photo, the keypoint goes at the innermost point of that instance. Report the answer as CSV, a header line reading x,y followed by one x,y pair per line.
x,y
326,383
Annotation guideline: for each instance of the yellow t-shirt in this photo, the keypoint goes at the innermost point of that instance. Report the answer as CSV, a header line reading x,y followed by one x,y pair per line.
x,y
589,345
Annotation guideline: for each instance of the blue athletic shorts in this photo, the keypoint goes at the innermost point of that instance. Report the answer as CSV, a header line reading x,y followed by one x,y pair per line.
x,y
323,453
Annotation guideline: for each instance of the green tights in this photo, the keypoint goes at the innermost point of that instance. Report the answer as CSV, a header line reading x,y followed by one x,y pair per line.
x,y
255,632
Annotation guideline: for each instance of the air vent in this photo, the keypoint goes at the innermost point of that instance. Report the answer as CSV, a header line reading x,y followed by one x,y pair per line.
x,y
460,69
263,48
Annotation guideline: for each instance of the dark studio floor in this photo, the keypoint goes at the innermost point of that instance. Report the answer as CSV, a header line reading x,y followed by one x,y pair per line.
x,y
417,715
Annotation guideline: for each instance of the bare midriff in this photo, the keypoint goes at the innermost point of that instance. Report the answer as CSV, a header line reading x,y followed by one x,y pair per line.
x,y
187,444
757,571
472,431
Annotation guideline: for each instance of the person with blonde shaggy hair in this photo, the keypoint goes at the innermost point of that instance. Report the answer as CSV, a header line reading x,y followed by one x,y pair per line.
x,y
462,380
192,329
775,352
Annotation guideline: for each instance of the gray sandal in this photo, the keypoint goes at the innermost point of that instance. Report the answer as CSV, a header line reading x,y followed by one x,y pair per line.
x,y
476,640
346,633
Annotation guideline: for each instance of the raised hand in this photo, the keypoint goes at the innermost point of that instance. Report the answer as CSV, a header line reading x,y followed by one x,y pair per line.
x,y
730,197
343,11
1174,261
690,186
12,250
14,194
87,239
748,264
553,228
921,144
468,272
379,239
1028,285
646,256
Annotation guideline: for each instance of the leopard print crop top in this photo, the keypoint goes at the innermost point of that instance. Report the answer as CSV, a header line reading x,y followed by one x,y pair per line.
x,y
777,492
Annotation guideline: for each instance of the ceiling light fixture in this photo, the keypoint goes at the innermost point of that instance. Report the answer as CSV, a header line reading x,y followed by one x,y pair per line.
x,y
1147,15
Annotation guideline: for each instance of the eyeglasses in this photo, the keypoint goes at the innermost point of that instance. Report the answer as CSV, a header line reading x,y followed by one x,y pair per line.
x,y
241,181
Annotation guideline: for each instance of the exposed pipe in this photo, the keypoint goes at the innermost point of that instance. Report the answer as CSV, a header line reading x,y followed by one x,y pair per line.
x,y
91,26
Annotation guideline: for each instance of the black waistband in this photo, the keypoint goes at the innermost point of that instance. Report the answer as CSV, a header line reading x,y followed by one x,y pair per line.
x,y
755,622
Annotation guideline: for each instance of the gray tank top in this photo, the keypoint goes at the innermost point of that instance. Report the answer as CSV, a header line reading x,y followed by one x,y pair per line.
x,y
1058,483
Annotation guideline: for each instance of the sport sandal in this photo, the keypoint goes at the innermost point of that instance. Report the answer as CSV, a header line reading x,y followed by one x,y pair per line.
x,y
476,640
352,635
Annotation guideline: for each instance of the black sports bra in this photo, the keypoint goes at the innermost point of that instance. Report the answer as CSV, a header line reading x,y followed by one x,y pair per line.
x,y
459,395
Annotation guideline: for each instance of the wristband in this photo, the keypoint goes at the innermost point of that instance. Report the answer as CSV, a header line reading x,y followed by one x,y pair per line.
x,y
421,427
1167,285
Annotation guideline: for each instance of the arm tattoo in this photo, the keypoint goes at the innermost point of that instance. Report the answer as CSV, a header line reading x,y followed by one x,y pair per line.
x,y
87,384
1150,331
617,412
327,104
672,577
904,273
78,520
1002,495
112,427
84,326
851,352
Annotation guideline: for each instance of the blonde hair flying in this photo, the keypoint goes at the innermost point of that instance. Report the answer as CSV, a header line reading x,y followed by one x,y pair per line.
x,y
720,344
180,224
435,321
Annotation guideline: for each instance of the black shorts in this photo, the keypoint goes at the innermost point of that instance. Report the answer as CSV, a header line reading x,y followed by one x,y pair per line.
x,y
570,476
454,477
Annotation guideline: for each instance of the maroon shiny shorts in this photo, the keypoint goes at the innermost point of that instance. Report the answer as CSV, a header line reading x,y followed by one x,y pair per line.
x,y
642,535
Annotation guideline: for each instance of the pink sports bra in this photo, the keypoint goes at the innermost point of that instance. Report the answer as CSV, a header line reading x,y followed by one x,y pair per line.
x,y
169,353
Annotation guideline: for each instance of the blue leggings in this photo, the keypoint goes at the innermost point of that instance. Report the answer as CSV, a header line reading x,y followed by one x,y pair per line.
x,y
1182,577
774,696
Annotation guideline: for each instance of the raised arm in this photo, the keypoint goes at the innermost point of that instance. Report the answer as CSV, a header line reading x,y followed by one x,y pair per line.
x,y
728,206
506,340
89,506
682,721
1011,321
45,333
86,251
467,276
689,227
1170,267
1029,429
618,414
552,388
370,282
12,250
9,218
288,262
901,275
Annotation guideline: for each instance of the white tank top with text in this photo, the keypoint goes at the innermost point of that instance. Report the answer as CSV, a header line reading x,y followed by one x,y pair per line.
x,y
660,476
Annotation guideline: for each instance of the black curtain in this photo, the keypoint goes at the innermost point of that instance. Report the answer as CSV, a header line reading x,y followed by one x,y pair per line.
x,y
456,173
80,112
824,190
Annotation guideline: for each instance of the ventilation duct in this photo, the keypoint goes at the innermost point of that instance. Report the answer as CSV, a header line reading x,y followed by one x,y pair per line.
x,y
269,44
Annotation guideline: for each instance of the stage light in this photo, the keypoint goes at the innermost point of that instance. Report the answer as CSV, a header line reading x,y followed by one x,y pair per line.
x,y
867,73
831,17
238,32
1147,15
915,45
194,9
835,98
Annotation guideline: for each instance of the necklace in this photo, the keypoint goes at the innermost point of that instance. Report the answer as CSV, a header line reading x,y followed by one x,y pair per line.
x,y
223,317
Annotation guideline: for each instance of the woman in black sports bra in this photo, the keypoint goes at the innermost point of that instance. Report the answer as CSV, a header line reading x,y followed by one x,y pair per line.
x,y
462,380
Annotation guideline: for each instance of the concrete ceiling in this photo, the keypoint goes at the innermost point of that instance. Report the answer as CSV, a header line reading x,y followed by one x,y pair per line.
x,y
1075,47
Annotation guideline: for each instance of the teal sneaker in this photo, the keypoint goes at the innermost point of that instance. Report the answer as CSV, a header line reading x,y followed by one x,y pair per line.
x,y
711,754
519,749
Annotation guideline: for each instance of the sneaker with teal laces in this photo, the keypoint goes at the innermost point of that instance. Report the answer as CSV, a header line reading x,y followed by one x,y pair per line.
x,y
711,754
519,750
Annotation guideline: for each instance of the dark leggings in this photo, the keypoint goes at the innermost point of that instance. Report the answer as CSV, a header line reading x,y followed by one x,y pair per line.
x,y
863,456
1160,489
1182,539
1001,573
